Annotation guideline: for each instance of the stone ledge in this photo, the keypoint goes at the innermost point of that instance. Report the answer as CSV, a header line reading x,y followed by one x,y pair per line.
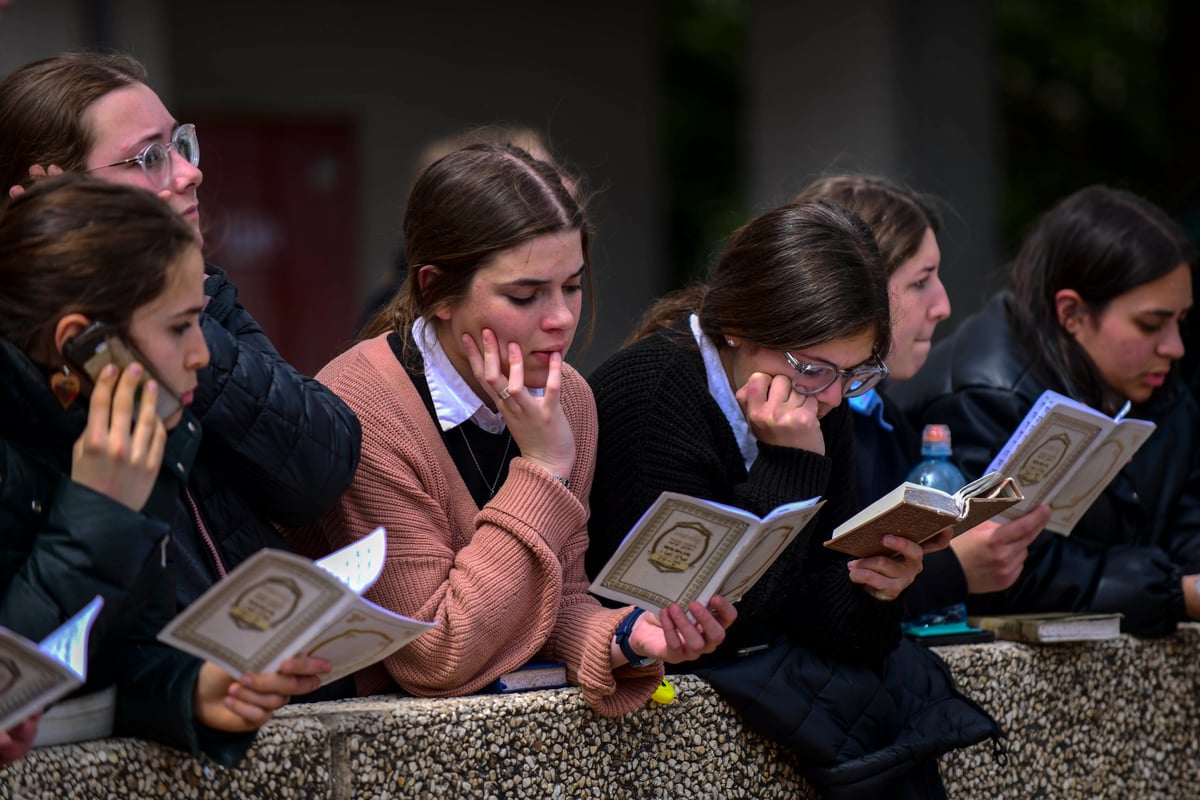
x,y
1109,719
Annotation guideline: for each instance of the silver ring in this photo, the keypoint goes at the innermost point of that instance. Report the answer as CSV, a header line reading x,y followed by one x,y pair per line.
x,y
505,394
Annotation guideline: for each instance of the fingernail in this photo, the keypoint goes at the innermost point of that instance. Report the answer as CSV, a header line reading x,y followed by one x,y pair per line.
x,y
151,386
109,370
135,368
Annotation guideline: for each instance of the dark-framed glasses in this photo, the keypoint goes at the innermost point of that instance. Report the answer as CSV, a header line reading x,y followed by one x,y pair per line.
x,y
815,377
155,158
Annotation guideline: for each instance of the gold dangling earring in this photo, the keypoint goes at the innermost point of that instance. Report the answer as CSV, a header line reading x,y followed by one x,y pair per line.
x,y
65,387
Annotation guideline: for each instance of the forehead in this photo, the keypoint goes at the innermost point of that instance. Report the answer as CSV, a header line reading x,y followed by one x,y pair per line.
x,y
1168,294
552,256
928,255
844,353
184,287
127,116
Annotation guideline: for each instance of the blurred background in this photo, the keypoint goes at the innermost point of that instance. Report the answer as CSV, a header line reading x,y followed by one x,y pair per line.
x,y
683,117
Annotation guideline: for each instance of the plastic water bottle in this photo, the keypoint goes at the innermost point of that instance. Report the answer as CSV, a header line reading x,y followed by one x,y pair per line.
x,y
937,471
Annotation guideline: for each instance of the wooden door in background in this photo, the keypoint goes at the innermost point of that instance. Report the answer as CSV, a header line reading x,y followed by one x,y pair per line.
x,y
279,205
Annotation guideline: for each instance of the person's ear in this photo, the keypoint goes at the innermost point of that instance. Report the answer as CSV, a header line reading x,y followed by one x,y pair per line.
x,y
427,275
67,329
1071,310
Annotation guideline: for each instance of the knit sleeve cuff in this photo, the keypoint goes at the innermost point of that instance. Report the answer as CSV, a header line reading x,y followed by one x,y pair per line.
x,y
532,499
785,474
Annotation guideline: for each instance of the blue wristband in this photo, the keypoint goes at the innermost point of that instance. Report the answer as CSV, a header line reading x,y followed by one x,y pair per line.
x,y
622,636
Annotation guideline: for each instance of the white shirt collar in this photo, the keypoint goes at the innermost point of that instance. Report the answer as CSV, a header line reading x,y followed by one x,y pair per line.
x,y
723,394
453,399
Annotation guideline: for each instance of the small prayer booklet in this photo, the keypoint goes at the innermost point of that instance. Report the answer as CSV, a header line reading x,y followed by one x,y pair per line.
x,y
276,605
1046,628
1065,453
534,675
685,548
919,512
32,676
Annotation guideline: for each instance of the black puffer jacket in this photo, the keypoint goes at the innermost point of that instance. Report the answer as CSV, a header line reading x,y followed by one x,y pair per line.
x,y
1132,548
278,447
61,544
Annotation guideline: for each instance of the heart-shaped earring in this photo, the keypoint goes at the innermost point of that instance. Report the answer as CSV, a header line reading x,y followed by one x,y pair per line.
x,y
65,387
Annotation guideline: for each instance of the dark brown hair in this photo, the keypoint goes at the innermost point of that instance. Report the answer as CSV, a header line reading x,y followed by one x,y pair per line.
x,y
896,215
464,210
76,244
1102,243
42,107
801,275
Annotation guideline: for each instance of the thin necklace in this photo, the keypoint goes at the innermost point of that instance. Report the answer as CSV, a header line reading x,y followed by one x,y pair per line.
x,y
491,486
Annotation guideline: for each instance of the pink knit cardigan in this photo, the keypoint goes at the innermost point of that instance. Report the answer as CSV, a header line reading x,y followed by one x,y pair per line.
x,y
506,583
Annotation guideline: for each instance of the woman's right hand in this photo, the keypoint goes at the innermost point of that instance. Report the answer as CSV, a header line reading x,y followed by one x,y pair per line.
x,y
17,741
36,172
992,554
538,424
117,455
247,703
779,415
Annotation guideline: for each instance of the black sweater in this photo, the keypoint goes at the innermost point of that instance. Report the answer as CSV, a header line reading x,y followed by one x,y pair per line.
x,y
661,430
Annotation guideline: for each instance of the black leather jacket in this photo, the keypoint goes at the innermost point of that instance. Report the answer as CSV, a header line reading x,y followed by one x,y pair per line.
x,y
1142,535
279,447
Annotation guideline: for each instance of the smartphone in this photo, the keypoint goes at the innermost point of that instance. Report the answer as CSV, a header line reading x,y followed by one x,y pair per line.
x,y
99,345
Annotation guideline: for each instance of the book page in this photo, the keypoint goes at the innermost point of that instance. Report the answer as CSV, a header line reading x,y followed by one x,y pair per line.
x,y
1050,453
362,635
776,532
359,563
1095,473
1046,402
33,676
260,614
676,553
69,643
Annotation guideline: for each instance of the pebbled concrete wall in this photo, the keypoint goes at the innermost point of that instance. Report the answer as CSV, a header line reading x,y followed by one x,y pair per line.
x,y
1108,719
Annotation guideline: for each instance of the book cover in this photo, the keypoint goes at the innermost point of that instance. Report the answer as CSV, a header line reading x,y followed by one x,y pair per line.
x,y
534,675
685,548
277,604
1064,453
1049,628
920,512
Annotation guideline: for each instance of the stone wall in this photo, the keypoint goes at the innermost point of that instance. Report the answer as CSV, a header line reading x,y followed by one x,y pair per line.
x,y
1109,719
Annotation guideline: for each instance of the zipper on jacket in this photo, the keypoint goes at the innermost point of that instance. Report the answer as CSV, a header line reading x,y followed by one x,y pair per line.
x,y
999,751
208,541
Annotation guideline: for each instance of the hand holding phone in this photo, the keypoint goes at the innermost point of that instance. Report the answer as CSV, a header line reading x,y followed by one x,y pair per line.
x,y
120,451
101,344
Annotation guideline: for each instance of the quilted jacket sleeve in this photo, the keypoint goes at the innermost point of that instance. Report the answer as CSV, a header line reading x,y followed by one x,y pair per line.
x,y
283,437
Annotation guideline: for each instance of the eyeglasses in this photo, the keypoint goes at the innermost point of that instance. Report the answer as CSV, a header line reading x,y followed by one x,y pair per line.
x,y
155,158
816,377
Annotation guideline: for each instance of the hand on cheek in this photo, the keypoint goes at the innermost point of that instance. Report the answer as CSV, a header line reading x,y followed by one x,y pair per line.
x,y
538,424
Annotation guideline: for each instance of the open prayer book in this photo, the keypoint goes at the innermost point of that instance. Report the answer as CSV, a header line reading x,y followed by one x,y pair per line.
x,y
276,605
685,548
1065,453
919,512
32,676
